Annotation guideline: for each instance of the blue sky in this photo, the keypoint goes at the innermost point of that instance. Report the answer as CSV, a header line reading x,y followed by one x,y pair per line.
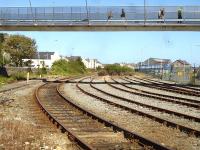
x,y
4,3
111,47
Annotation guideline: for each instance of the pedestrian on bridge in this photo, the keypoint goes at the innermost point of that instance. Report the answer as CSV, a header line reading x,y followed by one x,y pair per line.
x,y
110,15
123,15
180,17
159,15
162,15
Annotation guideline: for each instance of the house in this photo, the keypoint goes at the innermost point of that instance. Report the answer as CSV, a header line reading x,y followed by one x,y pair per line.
x,y
181,64
43,59
155,65
92,63
181,70
73,58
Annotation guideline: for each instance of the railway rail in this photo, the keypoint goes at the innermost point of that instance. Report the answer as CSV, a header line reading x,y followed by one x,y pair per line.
x,y
158,94
183,128
168,88
82,125
161,97
14,88
196,119
187,87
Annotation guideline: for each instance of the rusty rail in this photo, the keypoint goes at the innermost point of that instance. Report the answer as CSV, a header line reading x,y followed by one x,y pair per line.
x,y
127,134
71,135
142,93
170,88
174,97
163,121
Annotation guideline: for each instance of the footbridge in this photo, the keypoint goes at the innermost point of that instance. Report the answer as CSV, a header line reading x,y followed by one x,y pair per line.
x,y
92,18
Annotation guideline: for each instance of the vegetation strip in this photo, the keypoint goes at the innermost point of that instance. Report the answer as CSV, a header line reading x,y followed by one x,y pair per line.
x,y
189,131
127,134
174,97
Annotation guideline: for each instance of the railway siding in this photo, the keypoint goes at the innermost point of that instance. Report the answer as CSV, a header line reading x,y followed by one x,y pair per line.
x,y
131,122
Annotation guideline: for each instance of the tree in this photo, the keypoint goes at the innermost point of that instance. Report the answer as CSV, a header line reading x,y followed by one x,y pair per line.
x,y
19,47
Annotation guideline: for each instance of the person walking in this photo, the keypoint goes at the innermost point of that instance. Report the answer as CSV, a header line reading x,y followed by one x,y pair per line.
x,y
180,17
159,15
110,15
123,15
162,15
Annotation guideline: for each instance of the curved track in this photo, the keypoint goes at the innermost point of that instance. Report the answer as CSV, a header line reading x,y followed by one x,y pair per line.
x,y
162,95
84,127
168,88
173,99
160,120
187,87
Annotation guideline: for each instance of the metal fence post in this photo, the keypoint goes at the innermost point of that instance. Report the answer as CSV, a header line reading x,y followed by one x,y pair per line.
x,y
144,12
53,15
18,15
35,14
71,15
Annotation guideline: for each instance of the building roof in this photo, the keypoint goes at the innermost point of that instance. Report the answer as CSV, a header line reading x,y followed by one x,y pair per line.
x,y
154,61
43,55
73,57
183,62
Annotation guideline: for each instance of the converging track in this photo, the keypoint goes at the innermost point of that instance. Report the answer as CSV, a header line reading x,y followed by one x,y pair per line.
x,y
120,105
189,129
85,128
167,87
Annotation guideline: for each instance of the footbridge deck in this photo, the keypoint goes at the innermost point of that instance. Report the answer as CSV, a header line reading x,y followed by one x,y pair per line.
x,y
137,18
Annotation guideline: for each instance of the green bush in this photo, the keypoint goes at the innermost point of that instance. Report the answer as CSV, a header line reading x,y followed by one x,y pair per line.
x,y
63,67
19,76
118,70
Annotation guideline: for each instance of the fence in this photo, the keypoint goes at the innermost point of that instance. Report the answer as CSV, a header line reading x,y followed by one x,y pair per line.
x,y
134,14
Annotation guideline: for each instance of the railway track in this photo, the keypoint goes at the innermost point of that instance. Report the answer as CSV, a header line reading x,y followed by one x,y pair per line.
x,y
196,119
183,128
14,88
159,97
187,87
85,128
192,101
167,88
164,95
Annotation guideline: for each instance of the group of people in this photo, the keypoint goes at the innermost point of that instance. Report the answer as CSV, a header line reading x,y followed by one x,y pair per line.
x,y
123,15
161,15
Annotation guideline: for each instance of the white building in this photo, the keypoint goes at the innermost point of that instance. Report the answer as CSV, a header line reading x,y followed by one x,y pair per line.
x,y
45,59
91,63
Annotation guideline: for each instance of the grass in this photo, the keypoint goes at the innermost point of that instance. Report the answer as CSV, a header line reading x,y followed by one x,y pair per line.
x,y
5,80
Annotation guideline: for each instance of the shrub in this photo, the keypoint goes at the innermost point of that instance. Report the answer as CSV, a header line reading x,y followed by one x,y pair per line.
x,y
63,67
118,70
